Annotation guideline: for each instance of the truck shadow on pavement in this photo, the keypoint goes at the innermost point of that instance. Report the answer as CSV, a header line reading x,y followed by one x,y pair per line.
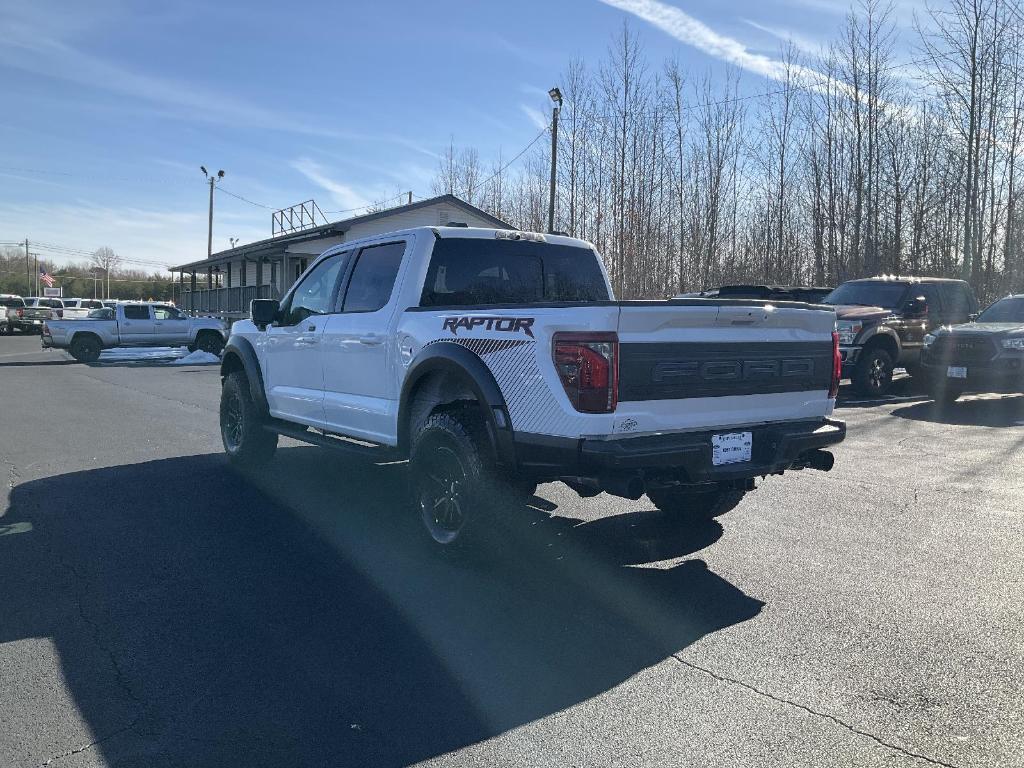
x,y
298,618
968,411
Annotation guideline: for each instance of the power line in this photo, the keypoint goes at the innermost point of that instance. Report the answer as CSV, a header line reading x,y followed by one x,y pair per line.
x,y
246,200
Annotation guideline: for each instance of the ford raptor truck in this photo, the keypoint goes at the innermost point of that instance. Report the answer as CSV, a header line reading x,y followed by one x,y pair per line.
x,y
494,360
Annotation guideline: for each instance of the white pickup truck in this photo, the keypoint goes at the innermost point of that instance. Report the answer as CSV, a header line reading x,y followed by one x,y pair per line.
x,y
133,325
494,360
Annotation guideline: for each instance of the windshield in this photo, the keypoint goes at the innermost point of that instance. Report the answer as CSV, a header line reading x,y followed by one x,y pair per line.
x,y
474,271
868,294
1004,311
11,301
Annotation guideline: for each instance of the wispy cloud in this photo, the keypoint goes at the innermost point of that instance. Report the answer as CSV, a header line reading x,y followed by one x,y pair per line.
x,y
689,30
170,237
344,196
803,43
538,118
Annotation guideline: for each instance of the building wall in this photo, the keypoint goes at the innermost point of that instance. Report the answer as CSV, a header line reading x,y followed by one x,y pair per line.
x,y
436,215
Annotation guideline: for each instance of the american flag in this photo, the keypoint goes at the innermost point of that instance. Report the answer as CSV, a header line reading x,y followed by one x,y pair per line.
x,y
46,277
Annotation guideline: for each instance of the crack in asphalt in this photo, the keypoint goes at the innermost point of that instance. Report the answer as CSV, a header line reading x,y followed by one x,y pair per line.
x,y
97,636
86,747
814,712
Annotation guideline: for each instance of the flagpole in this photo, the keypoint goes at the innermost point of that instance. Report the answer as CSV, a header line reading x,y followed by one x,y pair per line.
x,y
37,275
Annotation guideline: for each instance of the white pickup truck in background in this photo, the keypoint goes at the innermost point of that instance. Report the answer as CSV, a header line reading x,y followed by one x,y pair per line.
x,y
495,360
79,308
133,325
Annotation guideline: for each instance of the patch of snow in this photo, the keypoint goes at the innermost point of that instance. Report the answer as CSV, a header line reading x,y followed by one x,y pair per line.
x,y
139,353
197,358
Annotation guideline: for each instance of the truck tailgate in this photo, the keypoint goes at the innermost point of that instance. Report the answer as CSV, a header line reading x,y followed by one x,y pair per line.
x,y
697,364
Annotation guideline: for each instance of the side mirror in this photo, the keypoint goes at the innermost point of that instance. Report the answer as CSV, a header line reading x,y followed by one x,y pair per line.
x,y
263,312
973,316
917,307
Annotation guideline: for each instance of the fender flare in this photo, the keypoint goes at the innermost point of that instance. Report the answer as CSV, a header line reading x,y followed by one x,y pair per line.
x,y
241,349
455,358
880,331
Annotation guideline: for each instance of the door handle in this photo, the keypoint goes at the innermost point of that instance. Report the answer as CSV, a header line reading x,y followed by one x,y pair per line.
x,y
306,340
371,339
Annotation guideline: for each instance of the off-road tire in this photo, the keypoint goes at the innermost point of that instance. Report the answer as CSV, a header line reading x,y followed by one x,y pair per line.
x,y
698,506
457,492
85,349
872,376
247,444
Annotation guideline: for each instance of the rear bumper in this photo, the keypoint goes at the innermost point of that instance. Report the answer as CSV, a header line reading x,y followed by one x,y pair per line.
x,y
686,455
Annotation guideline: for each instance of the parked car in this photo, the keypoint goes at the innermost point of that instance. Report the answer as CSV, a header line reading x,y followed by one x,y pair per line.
x,y
882,322
134,325
32,314
79,307
9,306
494,360
809,294
986,355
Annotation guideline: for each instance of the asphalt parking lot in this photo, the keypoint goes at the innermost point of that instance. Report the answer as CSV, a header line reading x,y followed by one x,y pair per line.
x,y
159,609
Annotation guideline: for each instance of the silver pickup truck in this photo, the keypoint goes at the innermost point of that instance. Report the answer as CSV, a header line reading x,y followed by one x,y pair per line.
x,y
28,314
133,325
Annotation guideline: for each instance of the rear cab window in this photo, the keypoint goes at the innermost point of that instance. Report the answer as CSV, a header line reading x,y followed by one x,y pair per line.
x,y
477,271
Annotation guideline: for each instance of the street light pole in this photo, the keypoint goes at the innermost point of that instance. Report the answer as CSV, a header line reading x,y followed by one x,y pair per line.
x,y
209,234
556,97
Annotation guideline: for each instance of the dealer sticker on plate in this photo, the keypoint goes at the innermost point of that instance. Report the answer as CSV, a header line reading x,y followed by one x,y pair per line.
x,y
956,372
731,448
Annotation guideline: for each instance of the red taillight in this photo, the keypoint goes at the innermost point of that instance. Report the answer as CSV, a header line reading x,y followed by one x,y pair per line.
x,y
837,366
588,367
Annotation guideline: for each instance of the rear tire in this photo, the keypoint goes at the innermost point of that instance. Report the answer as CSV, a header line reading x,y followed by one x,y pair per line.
x,y
698,506
86,349
457,492
873,375
246,442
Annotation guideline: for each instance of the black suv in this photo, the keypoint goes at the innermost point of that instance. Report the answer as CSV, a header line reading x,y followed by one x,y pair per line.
x,y
986,355
882,322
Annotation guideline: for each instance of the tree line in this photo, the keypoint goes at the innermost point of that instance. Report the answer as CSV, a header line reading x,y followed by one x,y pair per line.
x,y
849,163
100,277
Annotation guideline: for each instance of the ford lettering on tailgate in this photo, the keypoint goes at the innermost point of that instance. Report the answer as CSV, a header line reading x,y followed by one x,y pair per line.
x,y
682,370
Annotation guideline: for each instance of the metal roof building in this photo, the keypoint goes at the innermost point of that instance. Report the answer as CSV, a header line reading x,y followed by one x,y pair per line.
x,y
226,282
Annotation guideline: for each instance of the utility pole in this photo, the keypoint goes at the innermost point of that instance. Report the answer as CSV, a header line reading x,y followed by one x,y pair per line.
x,y
556,97
37,275
212,181
28,269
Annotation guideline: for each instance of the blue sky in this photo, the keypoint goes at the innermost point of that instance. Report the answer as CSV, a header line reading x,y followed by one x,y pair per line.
x,y
111,107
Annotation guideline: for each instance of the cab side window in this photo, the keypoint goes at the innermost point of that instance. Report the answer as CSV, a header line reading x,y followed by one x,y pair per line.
x,y
957,302
166,313
373,278
136,312
315,294
930,291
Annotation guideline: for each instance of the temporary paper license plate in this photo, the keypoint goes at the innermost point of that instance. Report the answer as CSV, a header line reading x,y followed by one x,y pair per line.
x,y
956,372
731,448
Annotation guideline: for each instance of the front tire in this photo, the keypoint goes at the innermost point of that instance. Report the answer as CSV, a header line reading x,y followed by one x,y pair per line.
x,y
873,375
246,442
209,342
86,349
697,506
